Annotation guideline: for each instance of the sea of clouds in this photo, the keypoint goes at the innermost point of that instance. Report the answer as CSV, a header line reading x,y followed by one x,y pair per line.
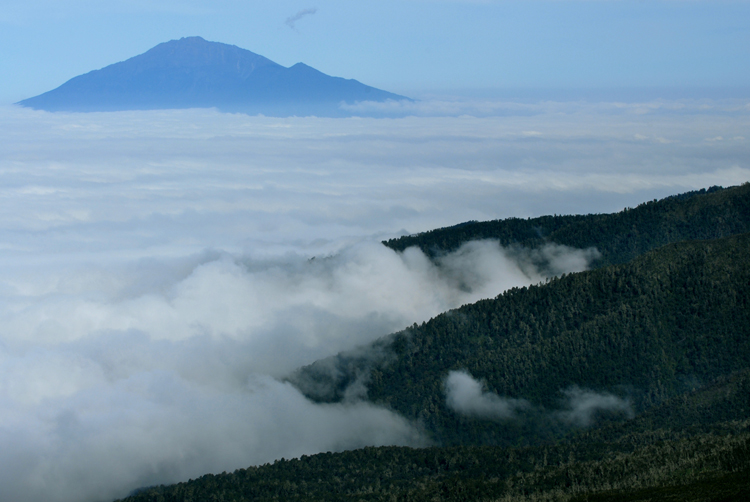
x,y
160,271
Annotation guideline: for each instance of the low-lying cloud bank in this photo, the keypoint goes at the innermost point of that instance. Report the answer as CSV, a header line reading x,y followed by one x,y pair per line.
x,y
579,407
156,270
541,103
154,427
144,184
159,371
286,311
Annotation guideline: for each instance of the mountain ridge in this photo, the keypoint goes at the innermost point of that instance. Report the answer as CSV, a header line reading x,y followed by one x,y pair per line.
x,y
619,237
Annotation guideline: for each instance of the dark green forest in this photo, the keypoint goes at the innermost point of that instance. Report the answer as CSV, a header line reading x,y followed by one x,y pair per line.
x,y
696,466
662,324
683,450
704,214
668,321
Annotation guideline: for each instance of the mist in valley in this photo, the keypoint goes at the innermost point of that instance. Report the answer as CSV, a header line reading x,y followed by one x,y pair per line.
x,y
163,271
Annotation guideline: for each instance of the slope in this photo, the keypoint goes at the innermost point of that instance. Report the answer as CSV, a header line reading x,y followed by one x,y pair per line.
x,y
706,466
681,450
665,323
667,331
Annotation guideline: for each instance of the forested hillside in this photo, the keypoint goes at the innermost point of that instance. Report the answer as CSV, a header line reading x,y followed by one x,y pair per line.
x,y
671,320
701,466
629,382
689,448
619,237
686,449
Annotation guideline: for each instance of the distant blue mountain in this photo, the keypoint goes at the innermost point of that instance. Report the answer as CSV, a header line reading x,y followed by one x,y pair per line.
x,y
194,73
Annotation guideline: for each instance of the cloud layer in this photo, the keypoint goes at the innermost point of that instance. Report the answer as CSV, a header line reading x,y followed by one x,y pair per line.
x,y
160,370
158,270
153,427
155,183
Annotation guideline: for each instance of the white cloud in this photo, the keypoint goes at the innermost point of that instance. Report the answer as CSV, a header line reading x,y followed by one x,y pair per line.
x,y
154,427
155,268
159,370
583,405
466,395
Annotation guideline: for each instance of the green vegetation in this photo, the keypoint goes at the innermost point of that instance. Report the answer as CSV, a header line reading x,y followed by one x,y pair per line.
x,y
647,330
662,322
704,466
620,237
674,451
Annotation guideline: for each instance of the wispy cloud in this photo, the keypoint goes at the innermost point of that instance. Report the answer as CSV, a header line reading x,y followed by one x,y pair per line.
x,y
582,406
291,20
172,363
466,395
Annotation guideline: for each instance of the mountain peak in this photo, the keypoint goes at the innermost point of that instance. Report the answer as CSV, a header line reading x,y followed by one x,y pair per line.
x,y
195,73
196,52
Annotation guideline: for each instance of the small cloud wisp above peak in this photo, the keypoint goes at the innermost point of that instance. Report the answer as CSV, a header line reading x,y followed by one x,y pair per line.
x,y
292,20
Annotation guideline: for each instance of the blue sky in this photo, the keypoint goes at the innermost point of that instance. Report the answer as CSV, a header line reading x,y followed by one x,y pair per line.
x,y
409,46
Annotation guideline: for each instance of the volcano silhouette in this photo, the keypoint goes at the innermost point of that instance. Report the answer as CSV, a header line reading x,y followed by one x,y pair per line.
x,y
194,73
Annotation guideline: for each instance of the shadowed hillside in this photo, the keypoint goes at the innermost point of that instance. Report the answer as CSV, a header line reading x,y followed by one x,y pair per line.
x,y
703,466
630,382
663,324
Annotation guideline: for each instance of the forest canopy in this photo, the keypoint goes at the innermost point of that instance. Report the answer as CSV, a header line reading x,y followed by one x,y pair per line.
x,y
627,382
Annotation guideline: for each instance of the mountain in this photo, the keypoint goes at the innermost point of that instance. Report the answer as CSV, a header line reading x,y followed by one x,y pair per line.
x,y
194,73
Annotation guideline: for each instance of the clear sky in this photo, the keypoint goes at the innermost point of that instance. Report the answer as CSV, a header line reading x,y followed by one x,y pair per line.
x,y
407,46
